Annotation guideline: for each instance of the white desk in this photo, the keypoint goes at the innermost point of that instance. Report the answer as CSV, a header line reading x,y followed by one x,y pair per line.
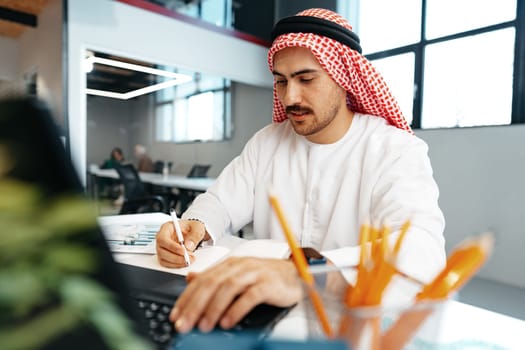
x,y
200,184
455,326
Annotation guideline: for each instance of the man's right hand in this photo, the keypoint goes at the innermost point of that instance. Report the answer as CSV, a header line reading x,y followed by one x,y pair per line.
x,y
169,251
223,294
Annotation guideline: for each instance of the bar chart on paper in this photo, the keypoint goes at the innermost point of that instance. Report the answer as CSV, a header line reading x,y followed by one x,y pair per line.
x,y
132,238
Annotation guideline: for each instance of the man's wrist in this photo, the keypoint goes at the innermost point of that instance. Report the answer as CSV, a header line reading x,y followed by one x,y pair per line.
x,y
313,257
195,219
206,237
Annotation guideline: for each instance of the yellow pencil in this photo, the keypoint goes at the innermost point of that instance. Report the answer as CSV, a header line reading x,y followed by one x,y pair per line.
x,y
302,267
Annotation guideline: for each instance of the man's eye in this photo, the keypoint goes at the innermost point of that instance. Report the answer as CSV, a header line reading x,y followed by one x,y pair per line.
x,y
280,82
306,80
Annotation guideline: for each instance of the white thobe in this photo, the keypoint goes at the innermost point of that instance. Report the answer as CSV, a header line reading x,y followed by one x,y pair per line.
x,y
375,173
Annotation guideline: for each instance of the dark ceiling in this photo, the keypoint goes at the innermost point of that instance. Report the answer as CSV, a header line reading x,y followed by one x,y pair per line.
x,y
115,79
16,16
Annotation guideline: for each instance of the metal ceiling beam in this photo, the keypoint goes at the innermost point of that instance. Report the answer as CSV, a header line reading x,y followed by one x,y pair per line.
x,y
24,18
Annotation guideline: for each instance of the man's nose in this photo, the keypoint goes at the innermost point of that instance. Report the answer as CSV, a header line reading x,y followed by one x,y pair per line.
x,y
292,95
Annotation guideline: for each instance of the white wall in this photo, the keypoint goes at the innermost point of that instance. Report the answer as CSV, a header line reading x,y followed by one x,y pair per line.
x,y
481,173
108,126
118,28
8,58
37,50
40,50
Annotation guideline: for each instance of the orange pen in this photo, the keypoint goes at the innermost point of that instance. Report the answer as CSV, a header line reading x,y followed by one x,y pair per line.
x,y
302,267
462,263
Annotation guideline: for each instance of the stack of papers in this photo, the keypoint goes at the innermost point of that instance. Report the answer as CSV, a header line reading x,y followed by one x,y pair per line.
x,y
134,233
133,238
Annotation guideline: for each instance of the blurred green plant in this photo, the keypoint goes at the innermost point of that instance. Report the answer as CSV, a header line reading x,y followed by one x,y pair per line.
x,y
46,269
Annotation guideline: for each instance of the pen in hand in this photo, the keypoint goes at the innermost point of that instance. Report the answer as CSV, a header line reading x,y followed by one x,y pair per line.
x,y
180,238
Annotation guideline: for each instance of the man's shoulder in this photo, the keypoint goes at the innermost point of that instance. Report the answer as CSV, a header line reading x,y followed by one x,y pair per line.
x,y
376,130
375,125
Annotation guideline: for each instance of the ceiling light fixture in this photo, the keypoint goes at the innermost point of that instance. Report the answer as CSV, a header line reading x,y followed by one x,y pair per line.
x,y
177,78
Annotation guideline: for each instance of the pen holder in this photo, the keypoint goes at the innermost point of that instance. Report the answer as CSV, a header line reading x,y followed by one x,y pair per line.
x,y
365,327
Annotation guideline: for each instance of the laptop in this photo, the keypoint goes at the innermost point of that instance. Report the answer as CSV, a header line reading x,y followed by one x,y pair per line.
x,y
31,147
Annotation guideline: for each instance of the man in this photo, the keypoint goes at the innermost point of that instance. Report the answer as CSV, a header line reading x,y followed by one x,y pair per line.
x,y
339,153
145,164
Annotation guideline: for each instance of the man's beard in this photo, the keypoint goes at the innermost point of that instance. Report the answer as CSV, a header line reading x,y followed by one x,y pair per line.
x,y
312,124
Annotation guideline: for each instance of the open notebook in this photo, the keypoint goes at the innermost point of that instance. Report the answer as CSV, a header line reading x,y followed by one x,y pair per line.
x,y
205,256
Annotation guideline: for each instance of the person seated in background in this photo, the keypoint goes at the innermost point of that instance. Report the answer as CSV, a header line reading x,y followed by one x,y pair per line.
x,y
111,188
339,154
145,163
116,158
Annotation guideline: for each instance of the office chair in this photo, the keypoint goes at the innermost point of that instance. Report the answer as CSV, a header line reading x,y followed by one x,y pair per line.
x,y
171,198
186,197
158,166
199,170
136,198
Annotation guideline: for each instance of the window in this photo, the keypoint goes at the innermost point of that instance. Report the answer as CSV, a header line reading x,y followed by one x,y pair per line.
x,y
472,86
450,63
194,111
217,12
398,72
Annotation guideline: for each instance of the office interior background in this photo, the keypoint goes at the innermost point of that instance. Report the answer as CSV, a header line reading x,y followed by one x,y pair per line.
x,y
461,82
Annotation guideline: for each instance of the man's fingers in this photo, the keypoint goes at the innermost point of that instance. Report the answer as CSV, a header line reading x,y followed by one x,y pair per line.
x,y
193,302
164,237
168,259
241,307
194,232
225,294
170,252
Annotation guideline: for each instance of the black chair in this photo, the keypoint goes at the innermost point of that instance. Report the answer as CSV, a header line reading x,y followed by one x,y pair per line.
x,y
136,198
187,196
171,197
199,170
158,166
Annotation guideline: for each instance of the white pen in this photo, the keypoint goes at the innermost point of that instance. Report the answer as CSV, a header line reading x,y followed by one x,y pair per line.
x,y
175,220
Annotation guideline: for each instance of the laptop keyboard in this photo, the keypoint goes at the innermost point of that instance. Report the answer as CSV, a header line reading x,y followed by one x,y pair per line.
x,y
155,314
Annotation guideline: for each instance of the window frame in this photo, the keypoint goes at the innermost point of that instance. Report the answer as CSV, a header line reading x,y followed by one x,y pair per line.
x,y
225,89
518,87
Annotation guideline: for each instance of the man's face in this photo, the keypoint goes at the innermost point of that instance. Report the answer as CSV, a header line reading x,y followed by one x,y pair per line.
x,y
314,103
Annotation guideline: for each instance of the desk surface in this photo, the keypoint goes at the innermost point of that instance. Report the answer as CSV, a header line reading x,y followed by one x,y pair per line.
x,y
455,326
178,181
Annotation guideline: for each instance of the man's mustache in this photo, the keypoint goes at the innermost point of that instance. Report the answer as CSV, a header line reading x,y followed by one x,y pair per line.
x,y
298,109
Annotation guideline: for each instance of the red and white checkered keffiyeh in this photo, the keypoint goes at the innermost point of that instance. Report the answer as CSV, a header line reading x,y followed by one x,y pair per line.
x,y
367,92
